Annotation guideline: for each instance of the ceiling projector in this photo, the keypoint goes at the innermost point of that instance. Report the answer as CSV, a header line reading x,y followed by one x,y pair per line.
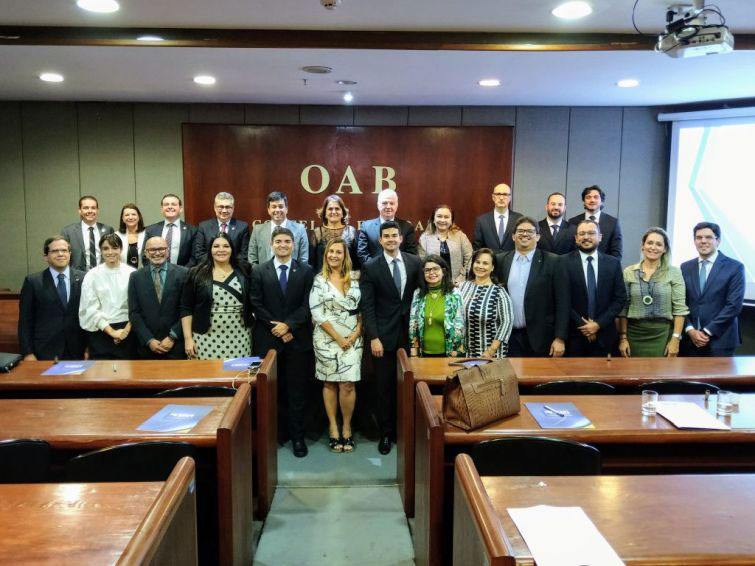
x,y
688,33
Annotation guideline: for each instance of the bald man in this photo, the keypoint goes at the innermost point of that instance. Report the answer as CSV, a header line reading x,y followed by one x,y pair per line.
x,y
154,295
368,239
494,229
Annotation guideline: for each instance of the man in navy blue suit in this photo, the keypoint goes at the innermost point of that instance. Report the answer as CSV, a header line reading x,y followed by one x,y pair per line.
x,y
715,291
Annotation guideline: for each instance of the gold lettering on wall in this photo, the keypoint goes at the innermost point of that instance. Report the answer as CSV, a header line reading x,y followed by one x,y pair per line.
x,y
324,178
349,180
384,174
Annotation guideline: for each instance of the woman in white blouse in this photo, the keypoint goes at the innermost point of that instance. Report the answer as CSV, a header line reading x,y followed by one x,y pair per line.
x,y
103,310
131,232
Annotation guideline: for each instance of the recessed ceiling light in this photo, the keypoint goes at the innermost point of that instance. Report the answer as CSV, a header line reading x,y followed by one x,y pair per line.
x,y
489,82
99,6
204,80
317,69
346,82
628,83
348,98
149,38
572,10
51,77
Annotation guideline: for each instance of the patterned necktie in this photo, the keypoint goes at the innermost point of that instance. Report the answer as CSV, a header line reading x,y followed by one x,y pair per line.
x,y
397,276
703,274
592,289
554,227
62,289
592,217
224,227
501,229
92,249
283,279
169,238
158,284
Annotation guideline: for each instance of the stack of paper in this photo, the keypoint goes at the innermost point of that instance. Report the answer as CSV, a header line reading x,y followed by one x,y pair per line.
x,y
563,536
683,414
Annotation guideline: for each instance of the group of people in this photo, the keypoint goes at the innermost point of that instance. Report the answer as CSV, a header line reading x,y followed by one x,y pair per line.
x,y
519,288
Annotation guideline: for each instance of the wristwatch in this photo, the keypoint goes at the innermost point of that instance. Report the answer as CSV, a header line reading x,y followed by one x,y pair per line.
x,y
677,335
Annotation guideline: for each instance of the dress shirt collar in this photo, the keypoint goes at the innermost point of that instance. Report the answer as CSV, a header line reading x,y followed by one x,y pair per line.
x,y
277,263
383,220
711,260
176,222
390,259
54,272
596,214
527,256
552,223
497,215
283,224
593,254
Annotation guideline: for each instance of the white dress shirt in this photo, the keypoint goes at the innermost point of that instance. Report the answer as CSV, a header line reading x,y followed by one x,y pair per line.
x,y
401,269
595,214
85,235
104,297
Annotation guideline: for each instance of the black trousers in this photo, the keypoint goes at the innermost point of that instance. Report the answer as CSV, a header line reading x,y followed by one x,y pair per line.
x,y
102,347
519,345
385,393
294,383
688,349
577,346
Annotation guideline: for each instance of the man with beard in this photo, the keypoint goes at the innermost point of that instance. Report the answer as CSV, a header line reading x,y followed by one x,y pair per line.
x,y
594,199
556,234
597,294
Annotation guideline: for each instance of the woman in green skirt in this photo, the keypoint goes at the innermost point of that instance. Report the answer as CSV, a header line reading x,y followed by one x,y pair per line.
x,y
652,320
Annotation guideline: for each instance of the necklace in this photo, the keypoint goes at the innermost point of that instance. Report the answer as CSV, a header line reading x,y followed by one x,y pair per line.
x,y
434,295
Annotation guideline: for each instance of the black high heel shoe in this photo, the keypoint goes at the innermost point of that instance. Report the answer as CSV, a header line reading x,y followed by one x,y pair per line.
x,y
348,444
335,444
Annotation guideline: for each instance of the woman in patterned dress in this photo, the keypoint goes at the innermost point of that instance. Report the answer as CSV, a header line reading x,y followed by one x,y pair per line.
x,y
337,338
215,308
436,324
487,309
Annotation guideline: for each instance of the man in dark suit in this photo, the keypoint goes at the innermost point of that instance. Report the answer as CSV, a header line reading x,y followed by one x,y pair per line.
x,y
494,229
387,283
154,299
594,200
280,299
85,235
368,238
596,284
715,286
556,234
237,230
178,234
536,283
48,322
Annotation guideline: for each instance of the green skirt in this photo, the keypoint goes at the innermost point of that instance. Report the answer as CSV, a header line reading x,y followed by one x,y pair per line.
x,y
648,337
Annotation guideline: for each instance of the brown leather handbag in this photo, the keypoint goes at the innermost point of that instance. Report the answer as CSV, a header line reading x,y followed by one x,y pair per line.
x,y
476,396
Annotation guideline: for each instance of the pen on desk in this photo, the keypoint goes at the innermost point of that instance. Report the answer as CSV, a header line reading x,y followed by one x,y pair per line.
x,y
552,410
115,368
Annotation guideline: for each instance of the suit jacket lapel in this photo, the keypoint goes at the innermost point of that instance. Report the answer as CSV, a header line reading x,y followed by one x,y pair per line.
x,y
712,274
387,274
272,275
51,289
537,265
506,269
576,261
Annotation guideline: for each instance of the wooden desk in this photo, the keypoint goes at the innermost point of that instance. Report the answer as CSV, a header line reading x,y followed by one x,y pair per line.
x,y
9,322
670,520
628,442
736,373
145,377
101,523
88,424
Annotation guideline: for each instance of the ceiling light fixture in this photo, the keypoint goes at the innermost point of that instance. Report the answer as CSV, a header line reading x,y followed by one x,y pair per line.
x,y
98,6
628,83
489,82
572,10
346,82
348,98
149,38
51,77
317,69
204,80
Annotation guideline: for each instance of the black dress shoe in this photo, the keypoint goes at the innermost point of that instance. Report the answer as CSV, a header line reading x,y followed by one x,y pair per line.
x,y
300,448
384,446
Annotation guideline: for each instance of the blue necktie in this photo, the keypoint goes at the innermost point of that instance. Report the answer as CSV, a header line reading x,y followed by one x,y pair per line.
x,y
397,276
592,289
703,274
501,229
283,279
62,289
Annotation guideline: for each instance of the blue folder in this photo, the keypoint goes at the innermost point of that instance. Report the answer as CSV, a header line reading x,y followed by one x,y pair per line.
x,y
172,418
547,415
239,364
76,367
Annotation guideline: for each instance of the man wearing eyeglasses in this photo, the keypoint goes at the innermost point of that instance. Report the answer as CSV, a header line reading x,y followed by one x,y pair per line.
x,y
237,230
597,294
494,229
535,281
154,297
48,322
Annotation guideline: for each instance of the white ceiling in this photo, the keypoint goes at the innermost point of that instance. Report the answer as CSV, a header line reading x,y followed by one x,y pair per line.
x,y
384,77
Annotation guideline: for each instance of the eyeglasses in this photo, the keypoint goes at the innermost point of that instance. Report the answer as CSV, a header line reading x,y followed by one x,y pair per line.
x,y
157,250
583,234
523,232
501,194
429,270
224,207
61,251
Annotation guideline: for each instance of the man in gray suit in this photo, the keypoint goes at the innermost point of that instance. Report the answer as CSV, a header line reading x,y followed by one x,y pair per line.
x,y
85,235
495,229
260,249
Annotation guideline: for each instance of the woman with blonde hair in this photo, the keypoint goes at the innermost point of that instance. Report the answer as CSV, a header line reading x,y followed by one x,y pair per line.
x,y
337,339
652,321
444,238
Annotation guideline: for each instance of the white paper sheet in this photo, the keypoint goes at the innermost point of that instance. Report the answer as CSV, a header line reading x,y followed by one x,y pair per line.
x,y
563,536
683,414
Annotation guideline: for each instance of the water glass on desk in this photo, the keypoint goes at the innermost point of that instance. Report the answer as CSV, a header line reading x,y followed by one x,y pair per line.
x,y
649,402
724,403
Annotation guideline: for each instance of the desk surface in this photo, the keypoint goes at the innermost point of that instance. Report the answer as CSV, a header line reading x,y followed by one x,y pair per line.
x,y
97,423
618,371
71,523
681,519
123,374
616,418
